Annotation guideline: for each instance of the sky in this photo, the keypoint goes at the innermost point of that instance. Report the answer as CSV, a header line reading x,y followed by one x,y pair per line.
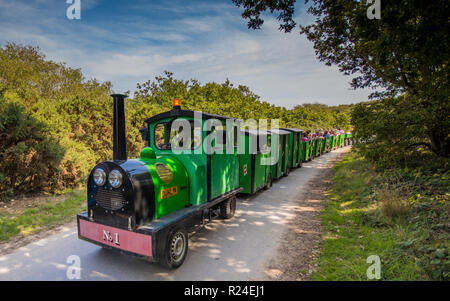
x,y
131,41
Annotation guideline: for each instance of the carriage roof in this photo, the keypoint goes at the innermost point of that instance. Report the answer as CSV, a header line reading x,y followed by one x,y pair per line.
x,y
185,113
293,130
279,132
248,132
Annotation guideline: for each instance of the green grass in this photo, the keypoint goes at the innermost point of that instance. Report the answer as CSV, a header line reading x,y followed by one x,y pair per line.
x,y
374,213
42,217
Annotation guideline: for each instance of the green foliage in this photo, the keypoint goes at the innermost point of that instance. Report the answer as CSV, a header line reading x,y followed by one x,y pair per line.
x,y
29,157
391,133
403,53
58,124
412,245
254,8
239,102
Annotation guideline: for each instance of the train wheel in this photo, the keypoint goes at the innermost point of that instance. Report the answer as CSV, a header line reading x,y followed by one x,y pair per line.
x,y
176,248
228,208
269,182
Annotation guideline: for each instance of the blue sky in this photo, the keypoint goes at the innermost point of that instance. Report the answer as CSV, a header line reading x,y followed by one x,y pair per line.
x,y
132,41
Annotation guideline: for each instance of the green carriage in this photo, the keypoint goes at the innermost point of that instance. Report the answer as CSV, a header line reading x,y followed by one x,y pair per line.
x,y
317,146
323,145
306,151
295,147
348,139
255,161
312,152
341,140
280,165
333,142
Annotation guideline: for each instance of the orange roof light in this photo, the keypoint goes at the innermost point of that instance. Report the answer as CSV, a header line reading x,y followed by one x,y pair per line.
x,y
176,102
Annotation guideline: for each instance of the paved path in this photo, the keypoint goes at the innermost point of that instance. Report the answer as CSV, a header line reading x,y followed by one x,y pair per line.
x,y
234,249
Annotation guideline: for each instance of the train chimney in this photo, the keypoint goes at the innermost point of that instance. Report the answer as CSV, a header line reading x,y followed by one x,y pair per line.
x,y
120,143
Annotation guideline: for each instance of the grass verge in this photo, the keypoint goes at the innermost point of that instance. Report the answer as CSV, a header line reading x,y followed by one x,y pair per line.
x,y
402,216
43,216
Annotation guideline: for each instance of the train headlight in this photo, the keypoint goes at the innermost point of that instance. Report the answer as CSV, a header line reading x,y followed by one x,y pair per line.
x,y
99,177
115,178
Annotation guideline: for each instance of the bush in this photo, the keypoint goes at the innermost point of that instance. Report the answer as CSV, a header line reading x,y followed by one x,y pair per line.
x,y
29,159
397,132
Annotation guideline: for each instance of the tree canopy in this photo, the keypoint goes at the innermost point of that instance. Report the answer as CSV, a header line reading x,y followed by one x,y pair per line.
x,y
406,53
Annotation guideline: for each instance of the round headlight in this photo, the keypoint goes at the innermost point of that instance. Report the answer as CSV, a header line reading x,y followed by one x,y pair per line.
x,y
99,177
115,178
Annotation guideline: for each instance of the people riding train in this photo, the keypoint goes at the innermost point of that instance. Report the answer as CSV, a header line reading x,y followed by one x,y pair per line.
x,y
305,136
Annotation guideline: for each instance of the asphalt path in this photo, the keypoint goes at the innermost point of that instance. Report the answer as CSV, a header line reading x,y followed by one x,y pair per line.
x,y
234,249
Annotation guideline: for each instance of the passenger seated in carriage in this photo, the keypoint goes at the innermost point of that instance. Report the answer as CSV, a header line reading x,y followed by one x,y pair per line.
x,y
305,137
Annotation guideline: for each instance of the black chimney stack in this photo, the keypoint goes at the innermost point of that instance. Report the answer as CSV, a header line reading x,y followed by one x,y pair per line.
x,y
120,143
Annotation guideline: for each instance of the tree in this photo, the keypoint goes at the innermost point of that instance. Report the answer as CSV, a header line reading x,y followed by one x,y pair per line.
x,y
406,52
29,158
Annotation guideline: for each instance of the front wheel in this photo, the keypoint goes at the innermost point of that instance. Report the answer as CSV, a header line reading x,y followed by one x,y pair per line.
x,y
176,248
228,208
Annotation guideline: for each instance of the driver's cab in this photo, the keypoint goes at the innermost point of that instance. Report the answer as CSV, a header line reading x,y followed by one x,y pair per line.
x,y
171,133
184,135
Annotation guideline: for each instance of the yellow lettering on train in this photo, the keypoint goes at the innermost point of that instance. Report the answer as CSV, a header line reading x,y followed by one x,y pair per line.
x,y
168,192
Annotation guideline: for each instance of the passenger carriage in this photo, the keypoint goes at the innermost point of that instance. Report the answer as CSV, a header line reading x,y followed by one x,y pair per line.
x,y
311,148
333,142
306,151
323,145
348,139
317,143
295,146
255,171
281,165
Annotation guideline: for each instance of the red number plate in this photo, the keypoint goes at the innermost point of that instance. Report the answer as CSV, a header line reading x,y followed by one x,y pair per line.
x,y
122,239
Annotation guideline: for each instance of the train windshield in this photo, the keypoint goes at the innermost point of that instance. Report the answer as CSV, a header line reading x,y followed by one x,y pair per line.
x,y
178,134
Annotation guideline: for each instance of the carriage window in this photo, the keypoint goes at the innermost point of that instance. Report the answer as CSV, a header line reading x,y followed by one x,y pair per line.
x,y
262,139
165,136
